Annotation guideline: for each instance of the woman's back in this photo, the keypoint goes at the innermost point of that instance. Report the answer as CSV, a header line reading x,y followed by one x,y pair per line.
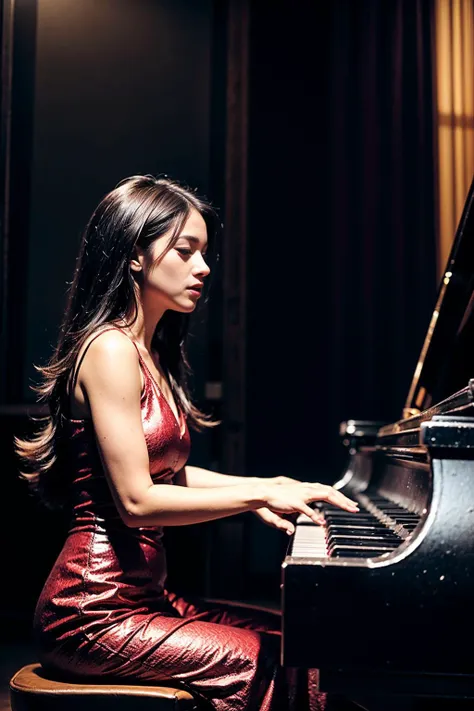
x,y
106,568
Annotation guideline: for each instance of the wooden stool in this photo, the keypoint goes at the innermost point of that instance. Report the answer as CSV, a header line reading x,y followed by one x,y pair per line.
x,y
31,689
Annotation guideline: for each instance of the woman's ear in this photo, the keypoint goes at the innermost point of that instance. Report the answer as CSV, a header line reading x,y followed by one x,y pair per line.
x,y
136,260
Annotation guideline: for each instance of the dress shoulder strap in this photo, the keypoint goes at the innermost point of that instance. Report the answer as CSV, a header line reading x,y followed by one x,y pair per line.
x,y
78,365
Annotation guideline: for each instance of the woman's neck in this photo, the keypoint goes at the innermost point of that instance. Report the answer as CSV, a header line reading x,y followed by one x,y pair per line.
x,y
143,327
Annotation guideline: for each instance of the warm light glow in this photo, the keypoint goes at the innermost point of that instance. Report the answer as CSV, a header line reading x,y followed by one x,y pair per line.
x,y
455,113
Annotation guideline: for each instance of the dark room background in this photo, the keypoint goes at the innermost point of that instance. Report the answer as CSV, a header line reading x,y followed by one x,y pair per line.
x,y
312,131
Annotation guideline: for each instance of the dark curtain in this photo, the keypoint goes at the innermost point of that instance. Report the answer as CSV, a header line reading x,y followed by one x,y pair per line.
x,y
383,261
341,271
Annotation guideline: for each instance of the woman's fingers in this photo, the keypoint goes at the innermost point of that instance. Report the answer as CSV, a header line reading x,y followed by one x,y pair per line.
x,y
277,520
320,492
311,513
333,496
289,499
286,526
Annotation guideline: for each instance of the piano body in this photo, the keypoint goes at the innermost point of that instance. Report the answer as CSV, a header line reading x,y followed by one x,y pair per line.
x,y
382,601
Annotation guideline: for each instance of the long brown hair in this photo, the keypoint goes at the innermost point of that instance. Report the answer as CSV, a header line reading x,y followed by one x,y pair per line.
x,y
140,209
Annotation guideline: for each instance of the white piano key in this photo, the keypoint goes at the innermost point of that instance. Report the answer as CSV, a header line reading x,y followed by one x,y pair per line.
x,y
309,541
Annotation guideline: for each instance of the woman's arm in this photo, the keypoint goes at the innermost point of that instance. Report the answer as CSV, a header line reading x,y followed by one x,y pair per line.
x,y
198,477
168,505
116,416
203,478
110,377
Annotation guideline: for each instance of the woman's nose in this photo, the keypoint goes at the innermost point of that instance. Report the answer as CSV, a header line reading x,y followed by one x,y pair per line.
x,y
202,267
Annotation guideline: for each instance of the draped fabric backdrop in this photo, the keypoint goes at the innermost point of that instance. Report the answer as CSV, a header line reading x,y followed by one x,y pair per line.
x,y
341,268
382,197
454,70
341,272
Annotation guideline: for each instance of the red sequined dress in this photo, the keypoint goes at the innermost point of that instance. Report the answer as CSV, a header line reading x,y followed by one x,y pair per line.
x,y
105,611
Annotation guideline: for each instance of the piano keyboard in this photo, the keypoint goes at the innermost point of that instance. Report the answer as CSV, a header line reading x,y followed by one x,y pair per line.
x,y
379,527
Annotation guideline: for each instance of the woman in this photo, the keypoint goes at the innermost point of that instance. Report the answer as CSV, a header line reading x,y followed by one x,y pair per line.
x,y
114,448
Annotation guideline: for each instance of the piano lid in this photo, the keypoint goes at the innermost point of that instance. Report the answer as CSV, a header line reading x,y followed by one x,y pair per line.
x,y
446,362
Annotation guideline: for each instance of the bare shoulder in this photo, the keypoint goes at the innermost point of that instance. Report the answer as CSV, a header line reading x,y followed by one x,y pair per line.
x,y
109,343
107,368
107,356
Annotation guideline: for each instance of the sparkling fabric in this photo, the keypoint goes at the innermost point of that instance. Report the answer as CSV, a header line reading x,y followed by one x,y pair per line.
x,y
105,612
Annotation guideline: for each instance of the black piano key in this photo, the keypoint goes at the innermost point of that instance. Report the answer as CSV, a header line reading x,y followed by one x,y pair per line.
x,y
388,538
342,512
383,500
360,531
343,516
392,507
354,526
333,550
380,501
359,552
389,507
352,522
361,543
397,512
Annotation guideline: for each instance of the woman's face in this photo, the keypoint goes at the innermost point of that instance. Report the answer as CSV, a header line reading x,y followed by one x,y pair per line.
x,y
175,278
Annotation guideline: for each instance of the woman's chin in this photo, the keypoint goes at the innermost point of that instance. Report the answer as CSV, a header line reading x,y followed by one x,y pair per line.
x,y
185,306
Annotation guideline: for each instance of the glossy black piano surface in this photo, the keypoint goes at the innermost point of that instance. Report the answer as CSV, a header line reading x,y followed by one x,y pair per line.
x,y
384,599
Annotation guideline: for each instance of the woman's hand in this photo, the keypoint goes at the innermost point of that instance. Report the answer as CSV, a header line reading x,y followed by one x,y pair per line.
x,y
285,522
281,480
275,520
296,497
271,518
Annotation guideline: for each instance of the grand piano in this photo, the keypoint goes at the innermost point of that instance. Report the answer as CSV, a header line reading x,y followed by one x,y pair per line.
x,y
383,600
